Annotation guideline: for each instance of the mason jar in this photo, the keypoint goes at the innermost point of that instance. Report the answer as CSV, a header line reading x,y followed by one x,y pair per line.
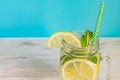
x,y
83,63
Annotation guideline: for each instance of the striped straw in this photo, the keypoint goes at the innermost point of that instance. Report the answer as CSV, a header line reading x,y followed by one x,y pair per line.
x,y
95,34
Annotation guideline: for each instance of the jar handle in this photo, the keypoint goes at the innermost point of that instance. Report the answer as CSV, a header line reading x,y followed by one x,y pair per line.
x,y
108,60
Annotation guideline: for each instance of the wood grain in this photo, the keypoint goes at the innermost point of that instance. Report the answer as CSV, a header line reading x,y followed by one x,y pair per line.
x,y
29,59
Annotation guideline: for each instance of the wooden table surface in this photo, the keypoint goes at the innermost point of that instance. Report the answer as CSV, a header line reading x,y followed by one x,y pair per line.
x,y
29,59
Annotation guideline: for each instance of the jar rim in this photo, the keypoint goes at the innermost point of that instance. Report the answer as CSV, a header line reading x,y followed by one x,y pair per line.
x,y
70,46
89,49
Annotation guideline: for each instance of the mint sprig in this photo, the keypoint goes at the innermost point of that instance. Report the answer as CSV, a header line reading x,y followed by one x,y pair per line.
x,y
86,38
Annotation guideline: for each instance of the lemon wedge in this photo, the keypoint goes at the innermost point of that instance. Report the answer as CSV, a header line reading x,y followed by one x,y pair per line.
x,y
56,40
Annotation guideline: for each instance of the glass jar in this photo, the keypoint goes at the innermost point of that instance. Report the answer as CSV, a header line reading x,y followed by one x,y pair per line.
x,y
82,63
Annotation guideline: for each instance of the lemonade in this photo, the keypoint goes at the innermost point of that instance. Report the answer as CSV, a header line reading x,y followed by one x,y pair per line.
x,y
75,66
79,63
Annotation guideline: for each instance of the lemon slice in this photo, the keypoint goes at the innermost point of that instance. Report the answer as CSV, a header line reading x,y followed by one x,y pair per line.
x,y
56,40
78,69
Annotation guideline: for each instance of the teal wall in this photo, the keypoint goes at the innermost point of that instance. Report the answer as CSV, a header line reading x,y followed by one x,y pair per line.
x,y
41,18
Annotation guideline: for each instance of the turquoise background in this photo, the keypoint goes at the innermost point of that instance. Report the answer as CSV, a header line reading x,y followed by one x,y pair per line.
x,y
41,18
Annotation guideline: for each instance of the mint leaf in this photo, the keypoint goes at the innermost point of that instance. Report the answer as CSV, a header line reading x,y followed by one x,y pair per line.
x,y
83,41
89,37
93,59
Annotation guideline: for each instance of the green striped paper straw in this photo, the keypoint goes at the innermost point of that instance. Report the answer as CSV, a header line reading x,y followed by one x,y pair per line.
x,y
95,34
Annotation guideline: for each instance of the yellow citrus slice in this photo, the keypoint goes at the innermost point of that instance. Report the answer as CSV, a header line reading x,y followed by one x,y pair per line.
x,y
78,69
56,40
